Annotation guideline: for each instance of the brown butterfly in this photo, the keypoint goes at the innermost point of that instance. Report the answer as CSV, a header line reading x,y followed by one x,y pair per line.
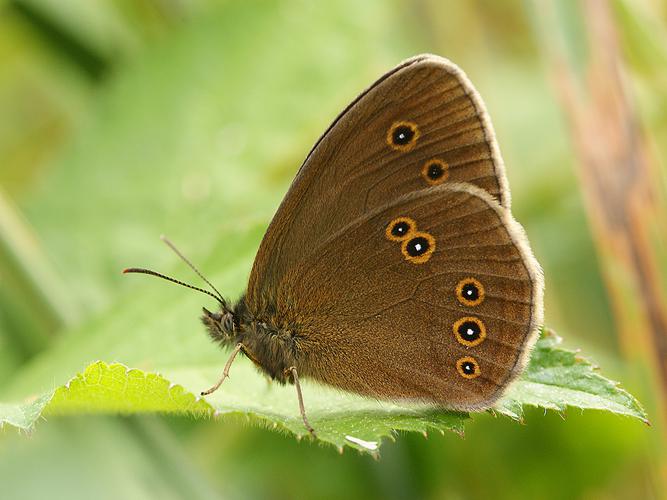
x,y
393,267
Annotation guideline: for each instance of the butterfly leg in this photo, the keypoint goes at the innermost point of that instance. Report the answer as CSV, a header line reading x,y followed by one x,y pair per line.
x,y
302,409
225,372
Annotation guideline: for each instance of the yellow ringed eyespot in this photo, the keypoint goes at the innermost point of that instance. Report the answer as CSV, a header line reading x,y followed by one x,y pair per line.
x,y
435,171
470,292
400,228
419,247
469,331
468,367
402,136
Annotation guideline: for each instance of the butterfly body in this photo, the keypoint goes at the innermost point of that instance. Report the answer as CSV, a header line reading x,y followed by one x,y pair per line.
x,y
268,340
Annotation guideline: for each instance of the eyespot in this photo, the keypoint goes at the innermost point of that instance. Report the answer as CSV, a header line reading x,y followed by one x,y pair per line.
x,y
402,136
400,228
470,292
418,248
468,367
469,331
435,171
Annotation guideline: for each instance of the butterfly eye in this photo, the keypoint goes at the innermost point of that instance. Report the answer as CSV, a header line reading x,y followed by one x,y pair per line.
x,y
418,248
470,292
402,136
400,228
435,171
469,331
468,367
228,323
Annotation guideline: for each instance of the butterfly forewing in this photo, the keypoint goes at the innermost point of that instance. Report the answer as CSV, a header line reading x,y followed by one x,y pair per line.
x,y
420,125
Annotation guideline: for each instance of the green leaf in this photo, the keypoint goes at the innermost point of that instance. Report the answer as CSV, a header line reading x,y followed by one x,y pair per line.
x,y
555,379
115,388
23,415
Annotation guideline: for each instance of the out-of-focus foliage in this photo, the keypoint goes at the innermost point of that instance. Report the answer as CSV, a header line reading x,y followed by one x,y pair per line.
x,y
120,121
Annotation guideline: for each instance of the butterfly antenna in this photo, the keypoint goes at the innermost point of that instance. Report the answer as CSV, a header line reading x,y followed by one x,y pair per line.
x,y
140,270
192,266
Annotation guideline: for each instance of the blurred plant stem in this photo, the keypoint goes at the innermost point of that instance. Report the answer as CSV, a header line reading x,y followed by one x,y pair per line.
x,y
619,177
40,304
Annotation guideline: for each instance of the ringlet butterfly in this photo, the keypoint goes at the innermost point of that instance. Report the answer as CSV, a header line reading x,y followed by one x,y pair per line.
x,y
393,268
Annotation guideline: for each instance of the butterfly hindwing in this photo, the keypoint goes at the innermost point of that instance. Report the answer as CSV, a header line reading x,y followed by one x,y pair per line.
x,y
444,311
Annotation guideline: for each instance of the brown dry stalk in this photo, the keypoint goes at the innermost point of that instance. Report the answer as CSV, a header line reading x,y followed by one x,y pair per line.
x,y
618,176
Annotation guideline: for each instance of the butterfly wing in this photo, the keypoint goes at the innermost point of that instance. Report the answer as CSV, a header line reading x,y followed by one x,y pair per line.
x,y
445,310
421,124
443,307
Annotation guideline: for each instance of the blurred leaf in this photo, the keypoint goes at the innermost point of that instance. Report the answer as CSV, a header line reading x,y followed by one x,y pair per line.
x,y
98,32
42,99
554,379
22,257
105,458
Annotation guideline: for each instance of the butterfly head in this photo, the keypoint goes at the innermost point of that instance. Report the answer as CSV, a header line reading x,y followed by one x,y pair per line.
x,y
222,325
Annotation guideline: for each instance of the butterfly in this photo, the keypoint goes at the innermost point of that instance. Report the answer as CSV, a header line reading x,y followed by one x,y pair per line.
x,y
393,268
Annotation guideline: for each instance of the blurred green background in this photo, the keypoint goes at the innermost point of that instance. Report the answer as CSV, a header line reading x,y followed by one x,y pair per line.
x,y
121,120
